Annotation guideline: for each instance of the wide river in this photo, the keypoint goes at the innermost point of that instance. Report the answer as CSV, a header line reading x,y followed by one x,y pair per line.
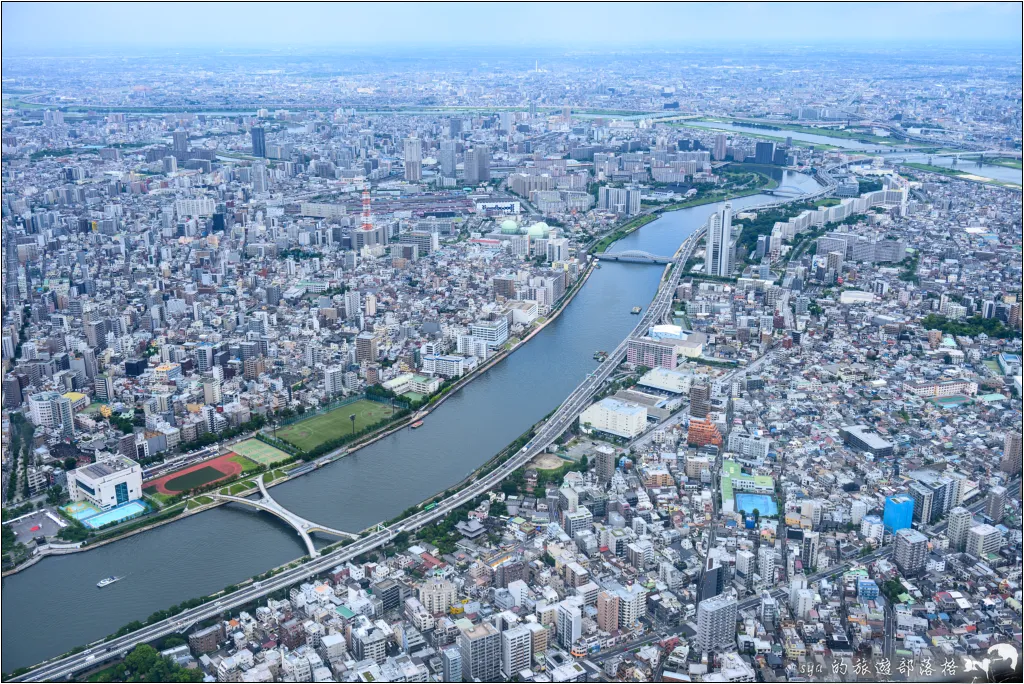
x,y
55,605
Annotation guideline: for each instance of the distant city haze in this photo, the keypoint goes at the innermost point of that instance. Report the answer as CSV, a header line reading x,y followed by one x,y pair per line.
x,y
61,27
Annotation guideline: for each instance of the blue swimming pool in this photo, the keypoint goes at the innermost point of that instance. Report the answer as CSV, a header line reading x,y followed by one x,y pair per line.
x,y
764,504
114,515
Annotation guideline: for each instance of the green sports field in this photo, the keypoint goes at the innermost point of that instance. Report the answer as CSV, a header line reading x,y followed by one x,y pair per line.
x,y
312,432
261,452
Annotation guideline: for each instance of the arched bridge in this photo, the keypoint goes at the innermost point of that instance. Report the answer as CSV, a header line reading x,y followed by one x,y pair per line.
x,y
787,190
635,256
267,504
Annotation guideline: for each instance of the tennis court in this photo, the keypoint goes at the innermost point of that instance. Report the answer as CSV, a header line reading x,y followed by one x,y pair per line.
x,y
312,432
261,452
80,510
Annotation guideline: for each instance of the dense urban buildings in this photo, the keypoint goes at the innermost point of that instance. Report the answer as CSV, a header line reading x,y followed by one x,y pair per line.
x,y
800,457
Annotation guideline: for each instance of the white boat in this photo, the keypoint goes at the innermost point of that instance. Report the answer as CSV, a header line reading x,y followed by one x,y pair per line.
x,y
107,580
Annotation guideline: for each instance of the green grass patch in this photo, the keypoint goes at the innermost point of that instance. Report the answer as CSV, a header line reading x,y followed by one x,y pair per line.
x,y
193,479
935,169
1008,162
239,487
608,240
312,432
247,465
274,475
160,499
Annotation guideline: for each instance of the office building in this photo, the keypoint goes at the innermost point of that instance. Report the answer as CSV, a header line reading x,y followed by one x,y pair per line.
x,y
494,333
721,250
426,242
959,521
480,647
106,483
716,623
862,438
455,128
898,513
476,165
259,141
911,548
448,158
764,153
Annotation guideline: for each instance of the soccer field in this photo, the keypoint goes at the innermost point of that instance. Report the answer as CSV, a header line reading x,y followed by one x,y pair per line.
x,y
312,432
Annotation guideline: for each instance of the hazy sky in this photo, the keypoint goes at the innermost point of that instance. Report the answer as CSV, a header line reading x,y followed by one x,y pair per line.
x,y
40,26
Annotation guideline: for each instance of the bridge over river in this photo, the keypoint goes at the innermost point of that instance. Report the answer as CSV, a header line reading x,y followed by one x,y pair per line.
x,y
304,527
634,256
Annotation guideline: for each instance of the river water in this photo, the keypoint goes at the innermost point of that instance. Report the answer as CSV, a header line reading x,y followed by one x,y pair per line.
x,y
55,605
846,143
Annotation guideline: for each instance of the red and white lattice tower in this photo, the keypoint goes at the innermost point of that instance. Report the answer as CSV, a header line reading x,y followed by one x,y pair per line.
x,y
367,219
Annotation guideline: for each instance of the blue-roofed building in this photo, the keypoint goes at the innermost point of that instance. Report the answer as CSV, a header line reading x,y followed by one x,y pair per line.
x,y
898,513
867,589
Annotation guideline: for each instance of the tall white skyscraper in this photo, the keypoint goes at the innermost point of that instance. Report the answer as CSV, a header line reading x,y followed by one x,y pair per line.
x,y
516,650
766,563
716,622
960,520
413,159
448,158
720,147
721,250
570,623
334,380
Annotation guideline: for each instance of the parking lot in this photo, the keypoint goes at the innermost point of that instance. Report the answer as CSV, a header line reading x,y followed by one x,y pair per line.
x,y
35,525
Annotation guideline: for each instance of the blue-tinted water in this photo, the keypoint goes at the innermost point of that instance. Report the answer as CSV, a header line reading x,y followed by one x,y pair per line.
x,y
764,504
